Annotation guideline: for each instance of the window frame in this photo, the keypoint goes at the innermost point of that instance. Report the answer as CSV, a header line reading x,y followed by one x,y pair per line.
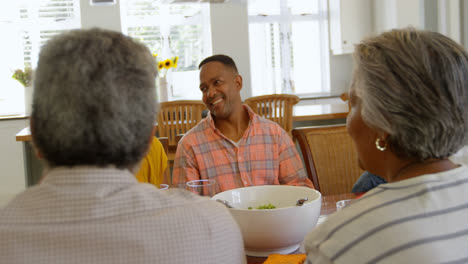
x,y
35,22
166,22
285,20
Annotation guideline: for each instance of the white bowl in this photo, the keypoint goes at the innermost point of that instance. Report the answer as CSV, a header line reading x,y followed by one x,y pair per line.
x,y
279,230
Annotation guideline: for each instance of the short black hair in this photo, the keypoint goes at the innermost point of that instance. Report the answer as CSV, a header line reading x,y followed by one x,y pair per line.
x,y
224,59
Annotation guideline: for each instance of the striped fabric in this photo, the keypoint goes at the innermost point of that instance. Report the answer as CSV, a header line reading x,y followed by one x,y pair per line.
x,y
264,155
102,215
419,220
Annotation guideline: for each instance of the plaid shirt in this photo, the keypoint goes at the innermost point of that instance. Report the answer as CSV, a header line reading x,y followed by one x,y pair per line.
x,y
264,155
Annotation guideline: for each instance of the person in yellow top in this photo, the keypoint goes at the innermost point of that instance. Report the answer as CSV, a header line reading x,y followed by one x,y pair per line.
x,y
154,165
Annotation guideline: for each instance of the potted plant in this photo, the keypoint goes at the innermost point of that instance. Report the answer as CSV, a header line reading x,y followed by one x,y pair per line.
x,y
25,78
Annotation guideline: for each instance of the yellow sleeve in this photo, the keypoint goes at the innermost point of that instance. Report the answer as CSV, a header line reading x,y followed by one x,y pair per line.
x,y
153,164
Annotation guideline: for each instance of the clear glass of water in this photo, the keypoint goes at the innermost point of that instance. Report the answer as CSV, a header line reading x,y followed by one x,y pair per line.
x,y
202,187
343,203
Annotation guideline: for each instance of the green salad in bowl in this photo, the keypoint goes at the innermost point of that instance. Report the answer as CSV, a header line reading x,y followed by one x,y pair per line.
x,y
265,206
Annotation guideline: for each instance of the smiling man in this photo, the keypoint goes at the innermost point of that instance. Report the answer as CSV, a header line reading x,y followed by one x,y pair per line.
x,y
233,145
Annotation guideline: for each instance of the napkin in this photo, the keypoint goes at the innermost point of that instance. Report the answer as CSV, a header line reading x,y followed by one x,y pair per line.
x,y
285,259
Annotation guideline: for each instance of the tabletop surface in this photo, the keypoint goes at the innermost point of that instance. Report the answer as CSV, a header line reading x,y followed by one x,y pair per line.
x,y
24,135
328,207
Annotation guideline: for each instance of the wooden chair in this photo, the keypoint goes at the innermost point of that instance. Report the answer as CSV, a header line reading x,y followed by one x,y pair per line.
x,y
276,107
344,97
177,117
330,158
179,137
164,142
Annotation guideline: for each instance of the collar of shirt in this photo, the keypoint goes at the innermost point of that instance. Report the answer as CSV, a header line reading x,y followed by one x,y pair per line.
x,y
88,175
252,115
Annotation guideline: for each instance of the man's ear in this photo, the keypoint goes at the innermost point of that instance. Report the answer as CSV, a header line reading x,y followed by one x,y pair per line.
x,y
238,81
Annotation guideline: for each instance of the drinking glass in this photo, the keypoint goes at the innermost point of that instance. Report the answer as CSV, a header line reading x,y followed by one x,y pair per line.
x,y
163,186
343,203
202,187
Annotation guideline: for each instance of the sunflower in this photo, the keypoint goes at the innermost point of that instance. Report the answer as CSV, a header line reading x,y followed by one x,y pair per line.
x,y
168,64
176,59
160,65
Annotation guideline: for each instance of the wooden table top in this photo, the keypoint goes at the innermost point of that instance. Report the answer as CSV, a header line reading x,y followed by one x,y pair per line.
x,y
12,116
328,207
24,135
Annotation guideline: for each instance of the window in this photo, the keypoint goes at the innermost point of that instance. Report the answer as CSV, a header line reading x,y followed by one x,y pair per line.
x,y
289,47
170,30
28,25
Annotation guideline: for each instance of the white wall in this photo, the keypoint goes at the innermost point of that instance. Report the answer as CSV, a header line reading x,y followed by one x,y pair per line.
x,y
464,19
341,69
449,19
389,14
103,16
410,13
230,36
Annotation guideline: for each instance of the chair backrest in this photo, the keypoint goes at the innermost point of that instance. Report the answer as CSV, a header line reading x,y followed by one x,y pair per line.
x,y
344,97
276,107
330,157
179,137
165,143
178,117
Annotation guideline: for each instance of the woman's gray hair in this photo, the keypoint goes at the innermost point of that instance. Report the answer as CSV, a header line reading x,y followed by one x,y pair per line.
x,y
413,85
94,99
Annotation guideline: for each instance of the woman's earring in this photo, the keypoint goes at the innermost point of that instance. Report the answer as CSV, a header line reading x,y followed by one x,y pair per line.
x,y
378,146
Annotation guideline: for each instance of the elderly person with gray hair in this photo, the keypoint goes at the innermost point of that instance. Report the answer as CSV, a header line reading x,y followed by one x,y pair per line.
x,y
409,113
94,108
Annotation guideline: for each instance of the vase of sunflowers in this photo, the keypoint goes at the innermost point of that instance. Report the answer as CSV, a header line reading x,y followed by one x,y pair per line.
x,y
25,78
163,70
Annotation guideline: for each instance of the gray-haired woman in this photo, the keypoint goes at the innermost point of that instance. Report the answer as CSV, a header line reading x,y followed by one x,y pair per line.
x,y
409,111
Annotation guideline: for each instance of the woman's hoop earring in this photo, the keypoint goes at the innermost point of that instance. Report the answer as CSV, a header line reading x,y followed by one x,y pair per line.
x,y
378,146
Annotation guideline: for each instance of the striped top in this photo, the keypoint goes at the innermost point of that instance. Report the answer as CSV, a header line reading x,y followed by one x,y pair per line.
x,y
419,220
264,155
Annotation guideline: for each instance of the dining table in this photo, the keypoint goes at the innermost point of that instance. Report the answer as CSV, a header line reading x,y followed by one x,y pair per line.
x,y
328,207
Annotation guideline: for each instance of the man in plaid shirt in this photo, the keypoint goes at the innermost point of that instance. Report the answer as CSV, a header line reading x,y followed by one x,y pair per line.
x,y
233,145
